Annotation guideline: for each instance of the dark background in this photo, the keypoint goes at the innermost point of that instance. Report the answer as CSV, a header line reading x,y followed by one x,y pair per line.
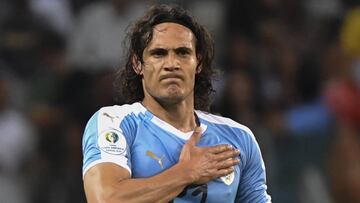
x,y
289,70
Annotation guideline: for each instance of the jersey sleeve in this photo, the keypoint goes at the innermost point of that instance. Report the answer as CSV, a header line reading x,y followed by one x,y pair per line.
x,y
252,187
104,141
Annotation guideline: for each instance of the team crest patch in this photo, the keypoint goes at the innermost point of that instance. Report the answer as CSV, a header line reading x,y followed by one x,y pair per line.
x,y
112,142
228,179
111,137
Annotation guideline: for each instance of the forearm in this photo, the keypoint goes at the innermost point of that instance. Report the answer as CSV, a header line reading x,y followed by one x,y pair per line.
x,y
160,188
109,183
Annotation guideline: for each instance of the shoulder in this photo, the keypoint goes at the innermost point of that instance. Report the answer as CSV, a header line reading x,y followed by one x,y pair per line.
x,y
121,111
116,116
237,134
224,122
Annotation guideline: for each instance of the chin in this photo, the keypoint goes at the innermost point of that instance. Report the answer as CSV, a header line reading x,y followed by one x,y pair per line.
x,y
174,92
171,95
171,98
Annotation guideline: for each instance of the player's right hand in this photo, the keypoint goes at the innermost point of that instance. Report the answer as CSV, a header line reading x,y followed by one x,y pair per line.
x,y
207,163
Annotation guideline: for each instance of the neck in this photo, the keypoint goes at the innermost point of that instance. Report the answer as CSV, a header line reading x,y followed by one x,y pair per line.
x,y
180,115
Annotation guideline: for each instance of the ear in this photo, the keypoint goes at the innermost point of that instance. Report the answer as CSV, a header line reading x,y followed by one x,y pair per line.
x,y
198,69
136,64
199,65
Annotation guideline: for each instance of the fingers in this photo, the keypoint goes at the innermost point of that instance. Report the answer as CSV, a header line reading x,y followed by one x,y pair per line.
x,y
209,162
225,160
229,163
195,137
224,172
220,148
233,153
221,153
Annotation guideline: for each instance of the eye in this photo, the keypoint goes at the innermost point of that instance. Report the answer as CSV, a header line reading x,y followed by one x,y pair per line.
x,y
157,53
183,52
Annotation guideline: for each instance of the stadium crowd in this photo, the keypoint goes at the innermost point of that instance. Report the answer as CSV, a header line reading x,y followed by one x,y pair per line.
x,y
289,70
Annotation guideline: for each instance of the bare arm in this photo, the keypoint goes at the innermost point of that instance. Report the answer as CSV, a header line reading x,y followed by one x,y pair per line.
x,y
108,183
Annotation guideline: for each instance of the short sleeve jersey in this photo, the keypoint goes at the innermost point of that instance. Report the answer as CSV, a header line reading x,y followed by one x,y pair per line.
x,y
135,139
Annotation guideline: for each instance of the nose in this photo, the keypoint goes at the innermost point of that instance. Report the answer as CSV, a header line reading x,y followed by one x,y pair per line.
x,y
171,62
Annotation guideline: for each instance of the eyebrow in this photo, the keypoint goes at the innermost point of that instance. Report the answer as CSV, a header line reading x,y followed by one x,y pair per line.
x,y
157,50
154,50
186,49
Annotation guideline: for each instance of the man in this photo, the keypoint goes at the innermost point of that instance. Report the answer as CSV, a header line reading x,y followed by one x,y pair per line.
x,y
165,150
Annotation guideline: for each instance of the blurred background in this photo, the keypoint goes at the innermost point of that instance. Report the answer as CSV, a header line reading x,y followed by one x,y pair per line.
x,y
289,70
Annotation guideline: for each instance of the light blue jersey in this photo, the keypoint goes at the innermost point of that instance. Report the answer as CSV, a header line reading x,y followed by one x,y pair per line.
x,y
133,138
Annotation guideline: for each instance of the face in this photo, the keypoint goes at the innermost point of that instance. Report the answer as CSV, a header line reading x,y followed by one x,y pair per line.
x,y
170,64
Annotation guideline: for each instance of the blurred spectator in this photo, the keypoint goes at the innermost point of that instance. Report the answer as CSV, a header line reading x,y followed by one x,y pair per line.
x,y
344,165
343,92
20,39
56,14
241,107
211,13
240,53
323,8
17,146
104,89
310,115
76,94
288,69
78,5
59,123
343,98
52,67
97,38
4,10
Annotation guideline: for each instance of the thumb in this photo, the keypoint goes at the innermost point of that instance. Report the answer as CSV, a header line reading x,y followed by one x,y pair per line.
x,y
195,137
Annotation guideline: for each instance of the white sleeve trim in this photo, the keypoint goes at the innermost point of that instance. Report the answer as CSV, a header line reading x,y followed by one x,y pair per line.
x,y
122,163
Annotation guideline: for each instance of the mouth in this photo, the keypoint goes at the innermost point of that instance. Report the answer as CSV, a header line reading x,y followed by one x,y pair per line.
x,y
170,77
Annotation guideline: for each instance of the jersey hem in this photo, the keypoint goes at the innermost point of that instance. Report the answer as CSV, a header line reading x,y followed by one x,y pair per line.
x,y
105,161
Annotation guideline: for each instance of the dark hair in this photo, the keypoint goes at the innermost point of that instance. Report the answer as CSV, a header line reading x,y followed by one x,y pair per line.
x,y
129,83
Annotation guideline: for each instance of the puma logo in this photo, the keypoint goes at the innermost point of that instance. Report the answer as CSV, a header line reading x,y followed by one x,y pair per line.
x,y
152,155
111,117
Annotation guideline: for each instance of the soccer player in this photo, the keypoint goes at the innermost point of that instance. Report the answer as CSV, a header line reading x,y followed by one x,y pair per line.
x,y
158,148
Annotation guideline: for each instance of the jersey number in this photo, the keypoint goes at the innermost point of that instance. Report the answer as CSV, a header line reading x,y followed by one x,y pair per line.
x,y
199,189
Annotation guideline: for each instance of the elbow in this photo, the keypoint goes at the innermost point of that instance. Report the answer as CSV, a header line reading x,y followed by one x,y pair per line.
x,y
111,196
107,195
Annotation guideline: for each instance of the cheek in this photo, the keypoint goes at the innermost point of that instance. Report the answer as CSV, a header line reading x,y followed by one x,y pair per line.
x,y
191,61
193,64
148,69
193,81
192,72
149,75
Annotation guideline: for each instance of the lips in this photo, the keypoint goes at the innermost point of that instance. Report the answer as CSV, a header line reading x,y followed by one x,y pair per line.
x,y
171,76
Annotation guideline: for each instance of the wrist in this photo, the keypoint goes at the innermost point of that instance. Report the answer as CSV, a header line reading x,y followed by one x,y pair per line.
x,y
185,173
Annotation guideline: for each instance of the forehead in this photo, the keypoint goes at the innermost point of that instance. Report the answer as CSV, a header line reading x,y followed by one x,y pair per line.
x,y
171,35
